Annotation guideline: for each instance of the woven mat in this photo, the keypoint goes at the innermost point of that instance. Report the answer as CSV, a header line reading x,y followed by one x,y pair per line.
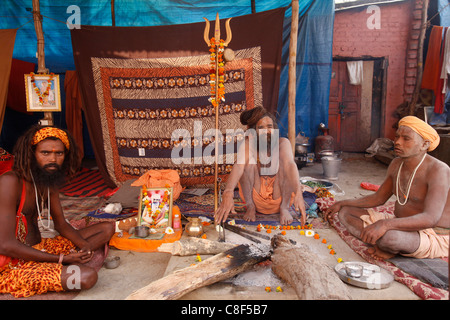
x,y
420,288
86,183
76,208
203,206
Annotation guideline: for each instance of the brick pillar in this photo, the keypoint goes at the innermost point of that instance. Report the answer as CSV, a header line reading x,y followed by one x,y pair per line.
x,y
412,50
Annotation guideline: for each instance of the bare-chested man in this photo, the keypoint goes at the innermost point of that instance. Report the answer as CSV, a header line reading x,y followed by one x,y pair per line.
x,y
265,171
421,184
30,264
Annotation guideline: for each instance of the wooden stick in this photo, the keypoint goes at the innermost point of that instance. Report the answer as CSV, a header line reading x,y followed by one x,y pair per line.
x,y
216,140
113,14
37,17
292,74
217,268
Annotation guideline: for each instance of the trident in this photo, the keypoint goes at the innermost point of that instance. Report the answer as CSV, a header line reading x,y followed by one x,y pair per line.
x,y
216,107
217,31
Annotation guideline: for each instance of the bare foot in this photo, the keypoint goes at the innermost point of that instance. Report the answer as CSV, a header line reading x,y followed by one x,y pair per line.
x,y
250,214
379,254
285,217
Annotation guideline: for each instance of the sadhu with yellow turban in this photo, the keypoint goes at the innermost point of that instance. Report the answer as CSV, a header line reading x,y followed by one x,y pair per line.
x,y
422,128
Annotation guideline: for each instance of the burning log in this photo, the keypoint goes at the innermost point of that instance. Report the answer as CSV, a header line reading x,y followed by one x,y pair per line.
x,y
217,268
192,246
306,272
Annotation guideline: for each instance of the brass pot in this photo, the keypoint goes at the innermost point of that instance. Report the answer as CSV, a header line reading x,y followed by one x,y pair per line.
x,y
194,227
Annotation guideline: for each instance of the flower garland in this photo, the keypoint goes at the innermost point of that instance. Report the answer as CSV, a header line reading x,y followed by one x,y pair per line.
x,y
217,48
38,91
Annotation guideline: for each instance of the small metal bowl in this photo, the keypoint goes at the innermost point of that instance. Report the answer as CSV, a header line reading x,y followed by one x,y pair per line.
x,y
354,270
112,262
141,231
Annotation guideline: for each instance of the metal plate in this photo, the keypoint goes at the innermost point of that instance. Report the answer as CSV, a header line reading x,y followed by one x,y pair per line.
x,y
373,276
326,184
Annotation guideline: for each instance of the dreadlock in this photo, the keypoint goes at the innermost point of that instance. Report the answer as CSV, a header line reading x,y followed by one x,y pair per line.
x,y
250,117
24,154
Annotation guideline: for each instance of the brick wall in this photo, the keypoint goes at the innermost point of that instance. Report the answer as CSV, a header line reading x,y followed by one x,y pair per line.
x,y
396,40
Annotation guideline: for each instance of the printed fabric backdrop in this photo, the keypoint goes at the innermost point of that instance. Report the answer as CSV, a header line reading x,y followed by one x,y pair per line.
x,y
141,84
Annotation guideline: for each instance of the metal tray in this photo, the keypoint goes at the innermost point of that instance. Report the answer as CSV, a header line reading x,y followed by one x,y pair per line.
x,y
373,276
326,184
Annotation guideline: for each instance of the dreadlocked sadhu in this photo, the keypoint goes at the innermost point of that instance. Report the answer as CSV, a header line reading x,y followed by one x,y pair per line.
x,y
30,264
265,172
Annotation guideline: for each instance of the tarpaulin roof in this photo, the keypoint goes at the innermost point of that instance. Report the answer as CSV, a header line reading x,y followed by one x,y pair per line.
x,y
314,43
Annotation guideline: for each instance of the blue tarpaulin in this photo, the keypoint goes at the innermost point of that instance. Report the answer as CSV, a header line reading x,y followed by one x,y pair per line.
x,y
315,38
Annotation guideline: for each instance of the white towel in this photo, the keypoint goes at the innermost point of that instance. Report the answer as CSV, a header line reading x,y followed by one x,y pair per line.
x,y
355,72
446,62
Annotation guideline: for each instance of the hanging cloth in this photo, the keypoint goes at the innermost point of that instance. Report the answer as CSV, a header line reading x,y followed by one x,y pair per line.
x,y
74,108
7,39
440,89
355,72
431,78
446,58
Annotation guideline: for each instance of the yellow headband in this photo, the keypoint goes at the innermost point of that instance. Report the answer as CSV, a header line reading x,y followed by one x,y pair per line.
x,y
47,132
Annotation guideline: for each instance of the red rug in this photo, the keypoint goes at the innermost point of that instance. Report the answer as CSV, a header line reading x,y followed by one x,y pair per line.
x,y
420,288
87,183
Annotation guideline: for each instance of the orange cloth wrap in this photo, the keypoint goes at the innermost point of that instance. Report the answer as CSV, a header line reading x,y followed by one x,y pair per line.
x,y
263,200
426,131
159,179
47,132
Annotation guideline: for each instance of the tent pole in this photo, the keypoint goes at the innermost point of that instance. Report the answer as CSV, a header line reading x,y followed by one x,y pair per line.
x,y
113,14
292,74
37,17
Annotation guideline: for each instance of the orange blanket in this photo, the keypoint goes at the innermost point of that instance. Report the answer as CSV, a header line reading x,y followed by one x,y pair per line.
x,y
142,245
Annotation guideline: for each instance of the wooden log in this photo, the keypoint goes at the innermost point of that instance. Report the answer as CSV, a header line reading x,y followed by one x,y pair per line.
x,y
217,268
306,272
192,246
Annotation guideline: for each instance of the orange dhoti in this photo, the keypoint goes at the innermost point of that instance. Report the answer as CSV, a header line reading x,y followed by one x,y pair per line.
x,y
27,278
263,200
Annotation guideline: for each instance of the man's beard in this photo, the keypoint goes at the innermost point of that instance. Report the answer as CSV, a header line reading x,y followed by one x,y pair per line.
x,y
266,143
44,178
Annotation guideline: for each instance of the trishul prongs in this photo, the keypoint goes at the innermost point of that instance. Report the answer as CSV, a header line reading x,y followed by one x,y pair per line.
x,y
217,31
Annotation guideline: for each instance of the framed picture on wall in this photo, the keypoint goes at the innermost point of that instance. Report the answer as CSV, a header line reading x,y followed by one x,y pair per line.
x,y
42,92
155,208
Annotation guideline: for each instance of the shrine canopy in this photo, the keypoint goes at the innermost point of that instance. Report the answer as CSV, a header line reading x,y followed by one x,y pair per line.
x,y
314,38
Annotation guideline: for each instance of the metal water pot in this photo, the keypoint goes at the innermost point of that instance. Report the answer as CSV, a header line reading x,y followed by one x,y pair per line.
x,y
194,227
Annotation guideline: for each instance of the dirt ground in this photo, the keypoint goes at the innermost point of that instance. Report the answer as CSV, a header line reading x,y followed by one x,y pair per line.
x,y
139,269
